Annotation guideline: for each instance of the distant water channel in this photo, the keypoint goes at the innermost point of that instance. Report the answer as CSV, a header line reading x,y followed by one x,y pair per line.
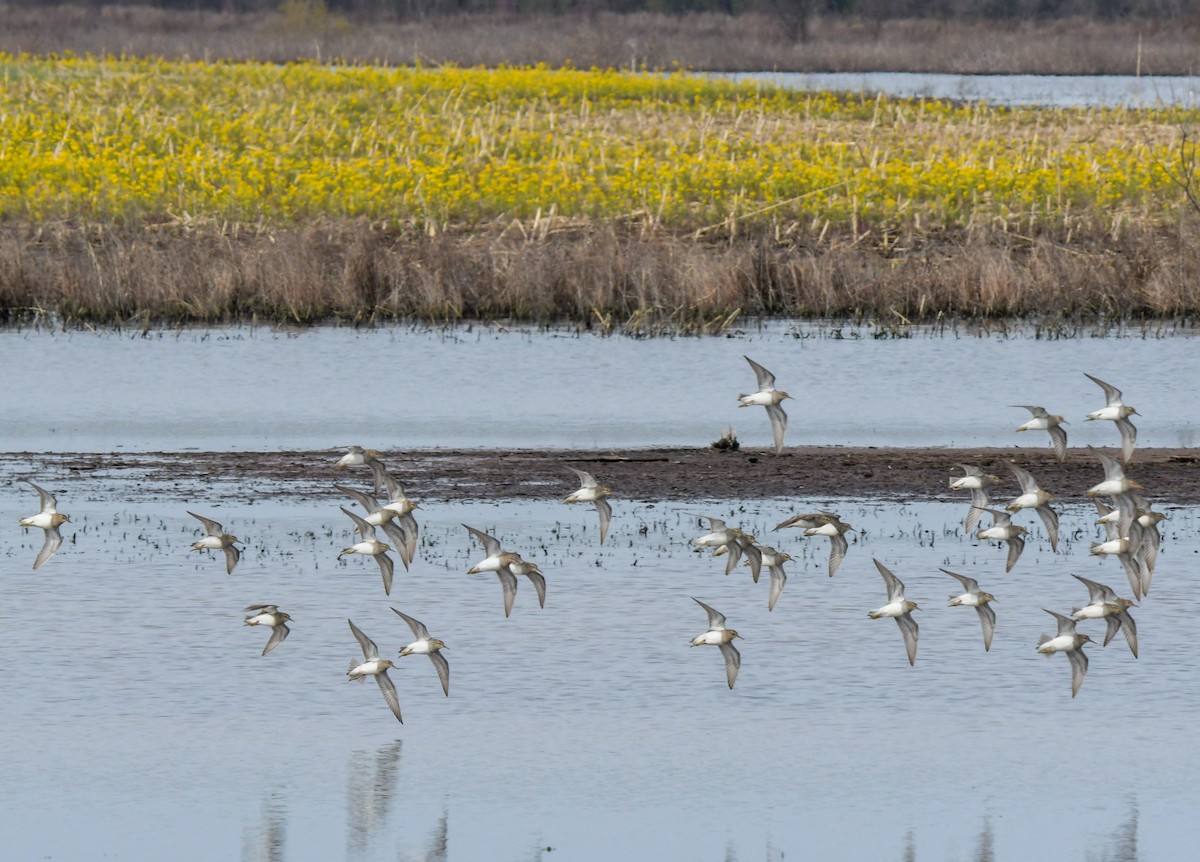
x,y
402,388
1052,91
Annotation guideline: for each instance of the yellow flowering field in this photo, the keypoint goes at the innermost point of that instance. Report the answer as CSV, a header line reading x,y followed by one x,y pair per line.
x,y
124,140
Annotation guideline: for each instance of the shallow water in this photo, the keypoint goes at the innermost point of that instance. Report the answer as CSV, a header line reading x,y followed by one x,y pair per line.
x,y
401,388
142,709
1054,91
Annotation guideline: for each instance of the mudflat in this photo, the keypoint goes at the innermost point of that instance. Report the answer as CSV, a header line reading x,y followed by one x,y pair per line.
x,y
1169,476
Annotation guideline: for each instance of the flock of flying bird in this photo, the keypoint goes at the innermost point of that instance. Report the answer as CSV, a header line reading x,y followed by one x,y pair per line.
x,y
1131,525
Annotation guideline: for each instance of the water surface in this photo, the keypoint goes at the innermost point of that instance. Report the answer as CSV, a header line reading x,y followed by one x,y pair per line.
x,y
141,708
401,388
1052,91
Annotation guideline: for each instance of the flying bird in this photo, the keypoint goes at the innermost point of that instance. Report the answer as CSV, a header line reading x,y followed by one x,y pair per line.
x,y
1124,548
399,503
218,540
269,615
769,397
1104,604
357,456
507,565
1033,497
1117,411
382,517
1049,422
591,492
374,666
977,481
898,608
725,539
1066,640
977,599
371,547
720,636
774,561
1004,530
426,645
1115,481
49,519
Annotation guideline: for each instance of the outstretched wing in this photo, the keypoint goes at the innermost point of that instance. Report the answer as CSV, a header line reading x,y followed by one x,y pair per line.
x,y
418,628
1028,484
605,511
838,546
969,584
778,425
733,662
232,555
1015,545
443,670
766,380
365,500
1058,439
1112,395
49,547
716,619
210,526
46,500
1050,519
388,570
491,546
895,588
508,583
586,480
370,651
364,529
389,694
1079,665
987,618
908,628
278,634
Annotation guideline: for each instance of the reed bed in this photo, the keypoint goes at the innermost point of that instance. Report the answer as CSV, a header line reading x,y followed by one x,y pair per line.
x,y
168,191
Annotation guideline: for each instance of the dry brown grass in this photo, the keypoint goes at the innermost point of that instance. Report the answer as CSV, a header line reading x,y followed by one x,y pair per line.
x,y
751,42
610,277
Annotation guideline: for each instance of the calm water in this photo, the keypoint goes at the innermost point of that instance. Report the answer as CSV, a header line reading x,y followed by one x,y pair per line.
x,y
1055,91
408,389
139,711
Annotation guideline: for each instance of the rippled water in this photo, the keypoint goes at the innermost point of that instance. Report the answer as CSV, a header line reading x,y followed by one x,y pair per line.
x,y
406,389
139,715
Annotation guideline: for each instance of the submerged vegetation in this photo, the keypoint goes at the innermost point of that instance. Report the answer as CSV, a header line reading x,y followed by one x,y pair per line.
x,y
177,192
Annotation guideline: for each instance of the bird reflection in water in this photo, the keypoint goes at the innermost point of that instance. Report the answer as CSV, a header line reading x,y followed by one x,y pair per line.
x,y
436,851
1123,842
267,843
986,851
369,793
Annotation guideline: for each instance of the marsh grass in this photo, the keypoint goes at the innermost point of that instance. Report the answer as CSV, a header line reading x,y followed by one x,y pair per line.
x,y
156,193
607,278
